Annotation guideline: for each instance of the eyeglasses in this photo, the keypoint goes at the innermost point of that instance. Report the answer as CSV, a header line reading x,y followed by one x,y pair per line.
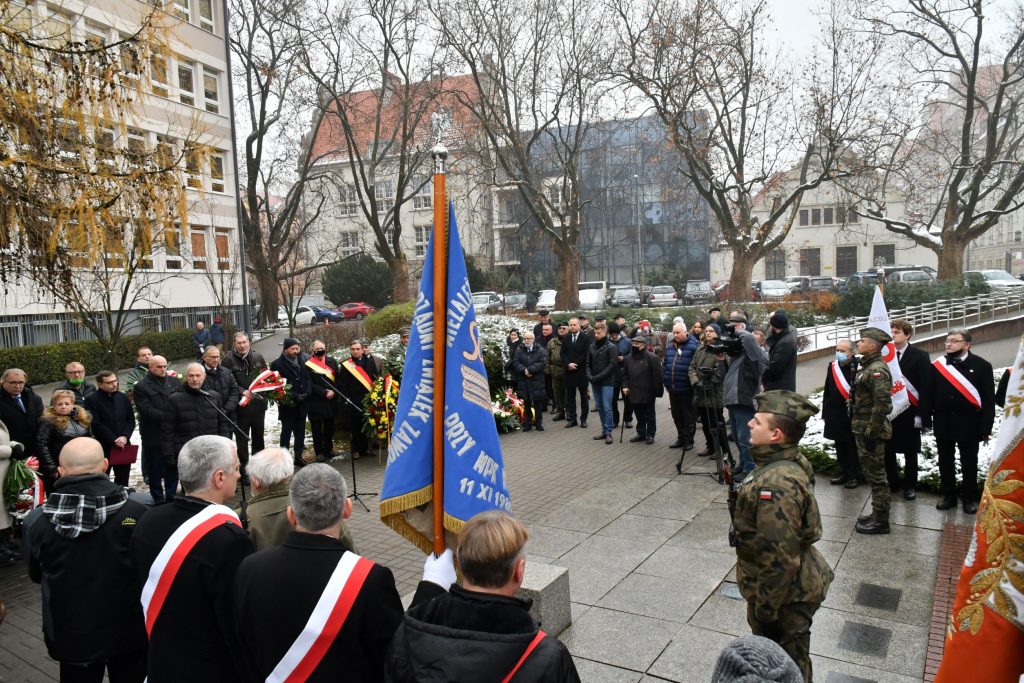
x,y
109,381
956,341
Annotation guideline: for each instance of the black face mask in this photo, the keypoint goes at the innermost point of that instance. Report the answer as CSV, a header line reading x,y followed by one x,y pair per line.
x,y
320,353
639,350
953,358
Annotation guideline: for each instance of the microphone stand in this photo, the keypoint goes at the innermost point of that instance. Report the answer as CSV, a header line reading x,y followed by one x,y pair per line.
x,y
244,506
355,495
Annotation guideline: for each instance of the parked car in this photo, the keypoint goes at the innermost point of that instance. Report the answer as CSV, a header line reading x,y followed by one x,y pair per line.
x,y
625,296
698,292
768,290
611,292
487,302
326,314
546,299
303,316
794,282
662,295
592,294
865,277
515,301
819,283
910,277
998,280
356,310
889,270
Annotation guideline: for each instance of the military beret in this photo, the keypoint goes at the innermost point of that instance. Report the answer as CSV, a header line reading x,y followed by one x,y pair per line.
x,y
563,323
785,402
404,331
543,312
876,334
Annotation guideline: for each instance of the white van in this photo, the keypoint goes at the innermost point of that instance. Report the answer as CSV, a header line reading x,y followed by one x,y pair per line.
x,y
592,295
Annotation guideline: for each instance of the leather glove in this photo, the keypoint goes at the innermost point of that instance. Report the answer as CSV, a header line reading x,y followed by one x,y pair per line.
x,y
871,443
17,450
440,569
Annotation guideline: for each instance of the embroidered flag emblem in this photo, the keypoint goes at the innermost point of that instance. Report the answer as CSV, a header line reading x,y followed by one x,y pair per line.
x,y
765,494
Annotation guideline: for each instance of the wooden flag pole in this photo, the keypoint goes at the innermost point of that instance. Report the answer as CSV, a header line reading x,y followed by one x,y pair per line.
x,y
440,153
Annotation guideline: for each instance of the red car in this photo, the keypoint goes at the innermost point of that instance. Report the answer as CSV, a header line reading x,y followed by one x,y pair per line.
x,y
357,310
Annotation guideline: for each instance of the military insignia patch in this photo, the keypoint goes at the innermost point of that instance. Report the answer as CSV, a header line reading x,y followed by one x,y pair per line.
x,y
765,494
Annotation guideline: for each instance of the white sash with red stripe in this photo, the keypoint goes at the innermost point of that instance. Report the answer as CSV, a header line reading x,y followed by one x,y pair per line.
x,y
959,382
915,398
840,379
324,624
174,552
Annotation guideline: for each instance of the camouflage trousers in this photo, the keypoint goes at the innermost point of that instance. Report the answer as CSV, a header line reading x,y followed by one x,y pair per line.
x,y
792,632
872,461
558,391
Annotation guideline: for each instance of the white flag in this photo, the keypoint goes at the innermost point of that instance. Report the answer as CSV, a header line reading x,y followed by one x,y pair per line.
x,y
879,319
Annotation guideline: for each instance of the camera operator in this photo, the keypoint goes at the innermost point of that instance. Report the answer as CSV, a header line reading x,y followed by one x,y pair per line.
x,y
707,375
742,383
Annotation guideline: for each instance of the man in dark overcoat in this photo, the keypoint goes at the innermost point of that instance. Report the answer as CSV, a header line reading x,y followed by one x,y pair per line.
x,y
528,365
915,365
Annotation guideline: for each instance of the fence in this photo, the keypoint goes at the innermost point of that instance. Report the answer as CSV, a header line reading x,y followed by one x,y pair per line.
x,y
938,316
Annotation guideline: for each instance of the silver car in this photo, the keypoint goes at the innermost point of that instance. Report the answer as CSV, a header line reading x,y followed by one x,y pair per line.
x,y
662,295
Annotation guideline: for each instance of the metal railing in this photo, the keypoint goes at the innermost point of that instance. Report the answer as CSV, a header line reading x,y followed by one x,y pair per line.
x,y
938,316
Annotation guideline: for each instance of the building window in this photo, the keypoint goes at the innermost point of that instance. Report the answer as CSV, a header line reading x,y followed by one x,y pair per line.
x,y
136,146
348,242
198,248
846,261
883,255
172,247
422,238
384,195
181,10
217,171
828,215
187,83
851,216
555,196
96,34
193,167
805,216
775,265
211,90
206,15
222,244
815,216
424,197
810,261
158,75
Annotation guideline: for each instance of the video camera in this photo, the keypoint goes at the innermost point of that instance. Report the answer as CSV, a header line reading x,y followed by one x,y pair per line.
x,y
730,342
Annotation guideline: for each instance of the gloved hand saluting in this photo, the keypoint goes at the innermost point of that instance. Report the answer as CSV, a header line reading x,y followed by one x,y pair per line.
x,y
440,569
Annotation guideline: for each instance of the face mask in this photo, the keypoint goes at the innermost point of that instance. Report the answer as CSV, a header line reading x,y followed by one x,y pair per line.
x,y
76,380
952,358
842,357
639,350
319,352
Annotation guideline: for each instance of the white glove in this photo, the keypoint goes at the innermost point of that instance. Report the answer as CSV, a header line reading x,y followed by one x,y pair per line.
x,y
440,569
917,422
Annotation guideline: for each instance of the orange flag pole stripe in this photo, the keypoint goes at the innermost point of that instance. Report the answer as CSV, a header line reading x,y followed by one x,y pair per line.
x,y
440,330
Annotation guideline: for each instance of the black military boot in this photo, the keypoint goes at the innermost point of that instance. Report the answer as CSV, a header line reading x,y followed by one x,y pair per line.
x,y
947,503
872,526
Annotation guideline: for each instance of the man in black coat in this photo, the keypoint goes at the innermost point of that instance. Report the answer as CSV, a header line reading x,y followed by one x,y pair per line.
x,y
643,382
113,420
222,381
79,553
192,633
480,631
358,375
245,363
835,412
575,346
191,411
277,589
602,370
293,417
74,373
915,365
528,365
151,394
20,410
960,402
781,370
324,375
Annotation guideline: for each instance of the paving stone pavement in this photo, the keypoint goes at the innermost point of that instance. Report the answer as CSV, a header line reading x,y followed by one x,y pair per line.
x,y
647,554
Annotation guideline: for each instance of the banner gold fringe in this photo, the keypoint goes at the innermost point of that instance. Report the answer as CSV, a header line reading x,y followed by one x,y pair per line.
x,y
413,499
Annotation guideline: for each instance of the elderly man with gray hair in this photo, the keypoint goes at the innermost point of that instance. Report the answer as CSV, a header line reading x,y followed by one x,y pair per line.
x,y
190,412
270,472
187,553
283,594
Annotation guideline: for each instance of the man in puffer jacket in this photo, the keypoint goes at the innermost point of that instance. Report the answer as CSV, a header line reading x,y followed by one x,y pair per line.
x,y
480,631
678,356
92,614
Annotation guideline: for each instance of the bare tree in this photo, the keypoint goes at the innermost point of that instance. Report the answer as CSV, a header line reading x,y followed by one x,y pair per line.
x,y
955,157
281,202
540,82
377,88
748,135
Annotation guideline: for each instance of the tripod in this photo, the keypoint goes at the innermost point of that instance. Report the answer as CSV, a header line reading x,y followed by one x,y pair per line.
x,y
244,505
355,495
713,412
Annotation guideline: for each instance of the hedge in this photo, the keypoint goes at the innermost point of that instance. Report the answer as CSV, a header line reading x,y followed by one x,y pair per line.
x,y
389,320
45,363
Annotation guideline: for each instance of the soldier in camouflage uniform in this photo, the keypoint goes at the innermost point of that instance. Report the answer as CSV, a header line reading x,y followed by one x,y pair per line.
x,y
869,420
781,575
557,372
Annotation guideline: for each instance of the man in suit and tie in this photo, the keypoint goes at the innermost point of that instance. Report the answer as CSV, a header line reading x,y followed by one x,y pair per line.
x,y
20,409
906,428
960,403
575,347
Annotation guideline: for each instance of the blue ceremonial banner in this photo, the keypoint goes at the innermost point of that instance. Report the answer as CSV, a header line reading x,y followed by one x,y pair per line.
x,y
474,470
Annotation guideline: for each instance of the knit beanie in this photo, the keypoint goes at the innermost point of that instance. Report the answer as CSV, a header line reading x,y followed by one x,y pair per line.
x,y
289,342
779,321
753,659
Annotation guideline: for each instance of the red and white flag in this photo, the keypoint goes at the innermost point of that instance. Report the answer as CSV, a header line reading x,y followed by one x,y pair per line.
x,y
879,319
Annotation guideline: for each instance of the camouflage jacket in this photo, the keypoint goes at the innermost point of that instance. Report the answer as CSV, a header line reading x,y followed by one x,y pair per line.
x,y
555,367
777,522
872,399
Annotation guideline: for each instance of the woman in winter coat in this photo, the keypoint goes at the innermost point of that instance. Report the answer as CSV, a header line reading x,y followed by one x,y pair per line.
x,y
60,423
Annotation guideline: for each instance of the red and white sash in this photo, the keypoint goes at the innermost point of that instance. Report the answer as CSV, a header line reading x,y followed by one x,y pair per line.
x,y
359,373
915,398
840,379
324,624
959,382
174,552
